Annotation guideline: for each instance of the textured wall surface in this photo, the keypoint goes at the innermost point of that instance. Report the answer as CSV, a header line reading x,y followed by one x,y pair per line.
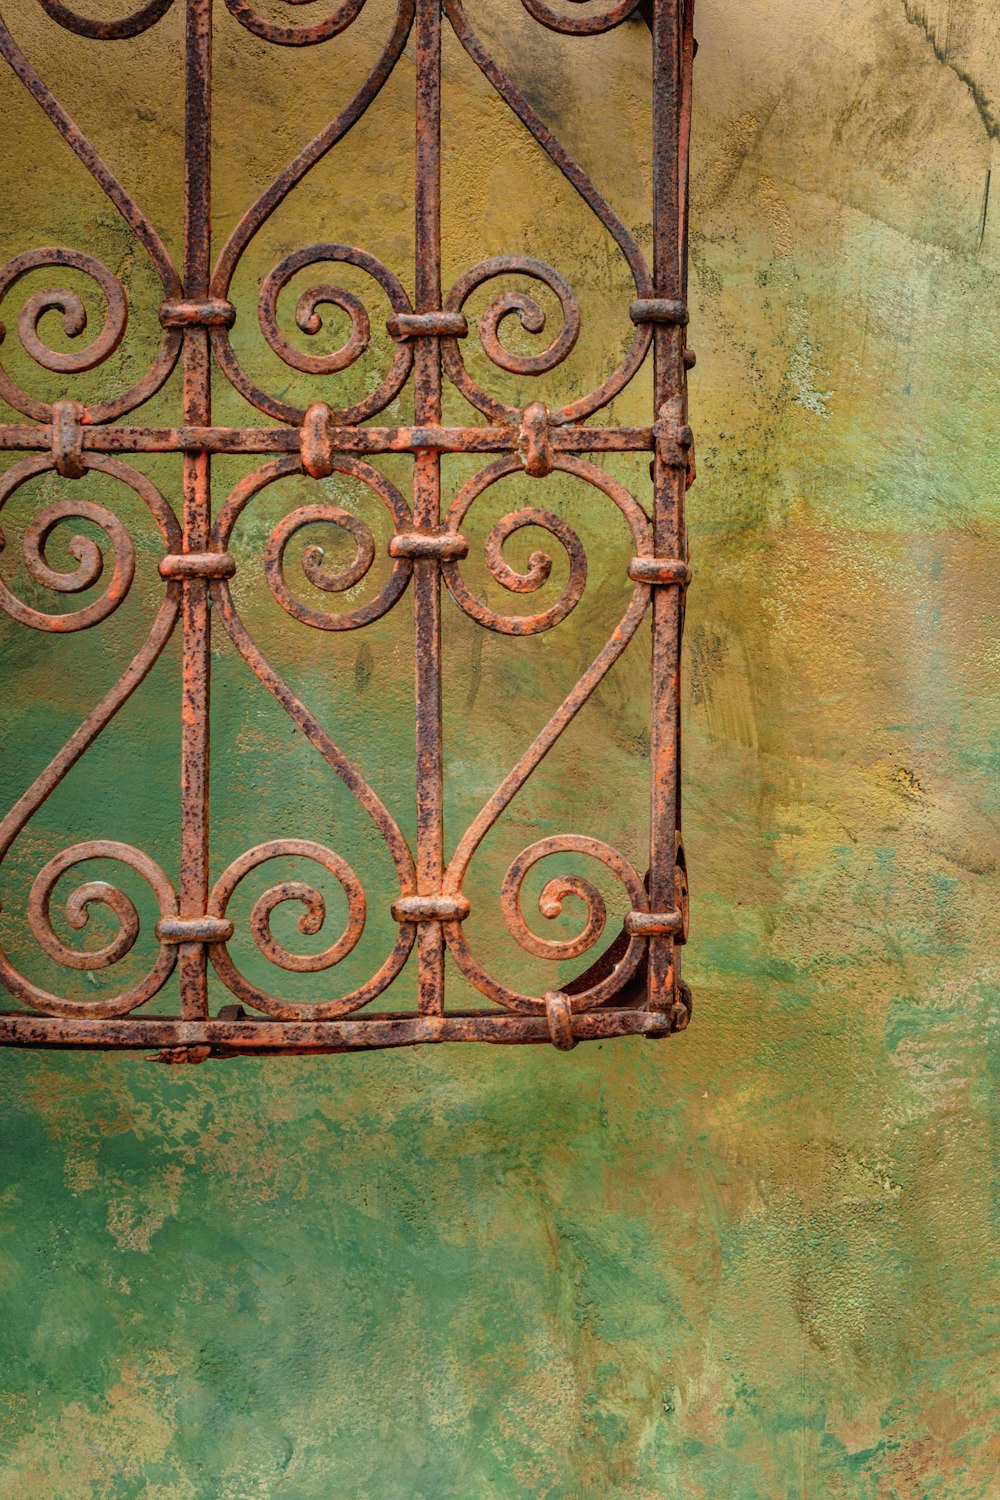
x,y
748,1264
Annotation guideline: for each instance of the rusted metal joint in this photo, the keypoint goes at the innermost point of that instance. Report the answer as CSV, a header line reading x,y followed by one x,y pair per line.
x,y
659,310
535,441
197,565
439,908
559,1014
67,439
690,359
663,572
680,1011
654,923
203,929
674,438
435,325
172,1056
315,445
444,546
208,312
677,1018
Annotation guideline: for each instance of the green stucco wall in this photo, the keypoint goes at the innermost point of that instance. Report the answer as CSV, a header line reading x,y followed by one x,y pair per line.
x,y
752,1263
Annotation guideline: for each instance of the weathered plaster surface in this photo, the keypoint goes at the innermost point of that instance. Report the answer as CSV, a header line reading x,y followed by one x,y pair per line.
x,y
751,1264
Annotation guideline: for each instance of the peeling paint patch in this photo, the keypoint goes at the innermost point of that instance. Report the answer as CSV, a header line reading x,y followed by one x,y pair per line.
x,y
802,369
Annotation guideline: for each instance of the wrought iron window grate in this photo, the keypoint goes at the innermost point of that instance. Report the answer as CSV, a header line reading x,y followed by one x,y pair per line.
x,y
634,986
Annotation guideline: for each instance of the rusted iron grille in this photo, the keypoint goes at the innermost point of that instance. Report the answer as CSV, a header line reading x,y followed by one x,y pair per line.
x,y
635,986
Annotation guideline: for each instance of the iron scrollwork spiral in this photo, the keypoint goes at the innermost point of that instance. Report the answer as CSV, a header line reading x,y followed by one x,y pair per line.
x,y
89,570
74,313
529,313
90,565
310,321
68,302
310,923
555,891
275,194
77,911
314,916
550,904
314,566
532,316
315,912
539,563
90,560
75,320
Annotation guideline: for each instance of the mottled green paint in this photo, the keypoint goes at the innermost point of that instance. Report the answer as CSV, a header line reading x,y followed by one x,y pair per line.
x,y
754,1263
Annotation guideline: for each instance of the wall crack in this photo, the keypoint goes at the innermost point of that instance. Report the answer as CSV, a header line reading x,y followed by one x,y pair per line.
x,y
991,124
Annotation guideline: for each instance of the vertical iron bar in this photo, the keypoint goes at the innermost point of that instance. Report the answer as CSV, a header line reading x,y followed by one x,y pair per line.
x,y
687,45
427,503
669,480
683,217
197,508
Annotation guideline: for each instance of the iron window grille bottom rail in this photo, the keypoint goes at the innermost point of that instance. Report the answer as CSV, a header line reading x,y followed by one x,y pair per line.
x,y
175,1041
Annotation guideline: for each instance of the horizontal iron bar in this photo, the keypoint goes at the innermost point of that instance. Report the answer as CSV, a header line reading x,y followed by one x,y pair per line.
x,y
36,437
22,1029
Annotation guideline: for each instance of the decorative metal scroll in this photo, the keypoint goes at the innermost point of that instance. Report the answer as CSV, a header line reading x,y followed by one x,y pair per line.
x,y
634,987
